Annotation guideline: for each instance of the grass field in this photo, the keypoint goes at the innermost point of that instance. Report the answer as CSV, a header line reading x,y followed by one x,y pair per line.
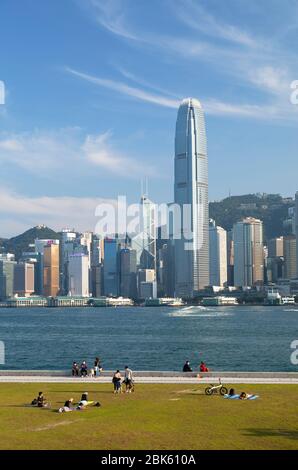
x,y
154,417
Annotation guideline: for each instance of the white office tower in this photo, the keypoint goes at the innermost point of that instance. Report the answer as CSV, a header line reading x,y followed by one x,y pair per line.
x,y
248,252
191,194
217,255
78,270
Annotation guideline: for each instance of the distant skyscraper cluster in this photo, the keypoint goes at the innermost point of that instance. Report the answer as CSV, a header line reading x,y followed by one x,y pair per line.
x,y
196,253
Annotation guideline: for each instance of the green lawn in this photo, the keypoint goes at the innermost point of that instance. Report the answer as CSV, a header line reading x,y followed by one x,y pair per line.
x,y
154,417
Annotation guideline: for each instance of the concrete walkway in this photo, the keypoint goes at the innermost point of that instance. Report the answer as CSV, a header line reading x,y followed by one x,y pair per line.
x,y
153,378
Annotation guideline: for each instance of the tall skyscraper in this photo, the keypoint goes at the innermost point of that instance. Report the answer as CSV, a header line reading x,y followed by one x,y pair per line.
x,y
248,252
191,189
144,242
51,269
218,255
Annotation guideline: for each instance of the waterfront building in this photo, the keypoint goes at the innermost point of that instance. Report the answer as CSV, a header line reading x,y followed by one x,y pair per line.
x,y
51,269
68,239
230,258
96,280
78,271
248,252
147,287
24,279
6,278
191,189
128,273
217,255
289,252
111,267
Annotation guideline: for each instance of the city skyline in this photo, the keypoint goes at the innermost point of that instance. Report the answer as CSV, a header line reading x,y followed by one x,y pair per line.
x,y
90,112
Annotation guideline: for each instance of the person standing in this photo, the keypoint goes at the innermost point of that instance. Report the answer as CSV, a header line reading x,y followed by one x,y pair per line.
x,y
97,367
128,379
117,381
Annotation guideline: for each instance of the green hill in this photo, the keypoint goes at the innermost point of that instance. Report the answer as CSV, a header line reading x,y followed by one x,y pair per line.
x,y
21,242
272,209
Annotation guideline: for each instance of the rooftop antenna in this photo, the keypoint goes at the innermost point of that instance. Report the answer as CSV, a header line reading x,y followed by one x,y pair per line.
x,y
146,187
142,186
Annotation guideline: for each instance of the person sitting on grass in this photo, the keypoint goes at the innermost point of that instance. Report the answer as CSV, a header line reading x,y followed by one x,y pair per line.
x,y
231,392
243,396
186,367
40,401
117,381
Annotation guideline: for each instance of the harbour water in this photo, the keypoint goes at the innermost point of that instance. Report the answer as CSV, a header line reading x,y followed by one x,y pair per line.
x,y
242,338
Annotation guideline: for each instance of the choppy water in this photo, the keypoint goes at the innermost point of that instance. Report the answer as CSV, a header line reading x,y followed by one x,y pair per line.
x,y
226,338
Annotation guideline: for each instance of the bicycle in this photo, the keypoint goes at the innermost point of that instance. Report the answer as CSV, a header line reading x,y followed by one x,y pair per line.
x,y
215,389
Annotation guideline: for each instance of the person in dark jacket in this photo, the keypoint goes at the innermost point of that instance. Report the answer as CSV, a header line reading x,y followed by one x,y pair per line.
x,y
186,367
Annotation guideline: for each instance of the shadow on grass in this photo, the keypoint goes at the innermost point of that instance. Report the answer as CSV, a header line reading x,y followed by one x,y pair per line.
x,y
288,433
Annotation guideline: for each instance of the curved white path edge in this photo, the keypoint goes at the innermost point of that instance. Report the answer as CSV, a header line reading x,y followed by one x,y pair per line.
x,y
149,380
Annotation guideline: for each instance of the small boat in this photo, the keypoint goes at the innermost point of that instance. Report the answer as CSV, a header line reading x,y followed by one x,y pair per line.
x,y
177,303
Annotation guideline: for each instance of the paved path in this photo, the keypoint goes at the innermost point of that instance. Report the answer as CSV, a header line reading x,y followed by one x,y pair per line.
x,y
152,380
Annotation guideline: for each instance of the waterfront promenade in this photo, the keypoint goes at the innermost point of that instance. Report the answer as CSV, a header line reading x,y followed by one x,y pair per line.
x,y
151,377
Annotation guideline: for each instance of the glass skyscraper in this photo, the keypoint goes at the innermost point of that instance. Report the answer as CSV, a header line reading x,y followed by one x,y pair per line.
x,y
191,194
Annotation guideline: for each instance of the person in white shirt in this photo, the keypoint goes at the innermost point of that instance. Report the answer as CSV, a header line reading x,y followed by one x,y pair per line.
x,y
128,379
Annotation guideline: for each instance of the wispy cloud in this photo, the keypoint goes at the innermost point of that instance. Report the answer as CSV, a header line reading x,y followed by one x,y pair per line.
x,y
211,106
125,89
98,152
21,212
49,152
196,17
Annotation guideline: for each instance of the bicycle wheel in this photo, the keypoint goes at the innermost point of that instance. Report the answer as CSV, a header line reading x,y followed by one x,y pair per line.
x,y
223,391
208,391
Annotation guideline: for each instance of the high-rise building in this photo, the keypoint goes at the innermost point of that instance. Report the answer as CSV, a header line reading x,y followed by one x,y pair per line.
x,y
275,247
248,252
68,238
96,280
296,229
230,258
51,269
24,279
78,272
144,242
146,283
6,278
289,251
217,255
40,245
111,267
128,273
191,194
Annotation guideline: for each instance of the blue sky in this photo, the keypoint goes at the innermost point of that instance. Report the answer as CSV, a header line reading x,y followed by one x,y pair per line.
x,y
92,89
